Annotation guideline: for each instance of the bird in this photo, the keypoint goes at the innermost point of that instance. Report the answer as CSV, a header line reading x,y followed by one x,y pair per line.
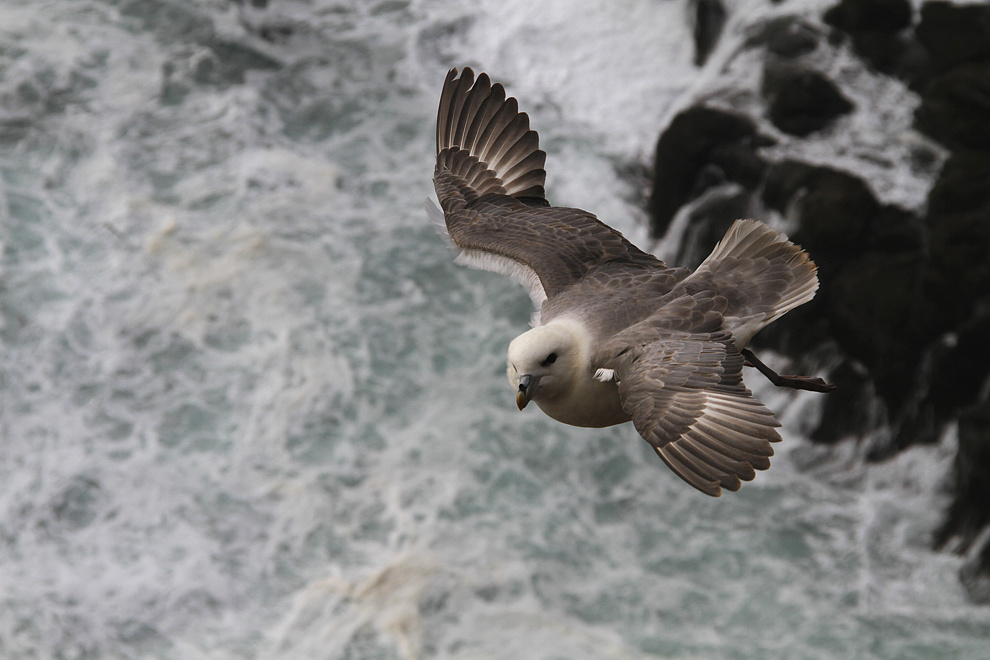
x,y
618,335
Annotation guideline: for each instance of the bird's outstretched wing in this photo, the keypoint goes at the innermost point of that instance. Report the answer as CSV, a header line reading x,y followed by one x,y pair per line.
x,y
489,179
681,383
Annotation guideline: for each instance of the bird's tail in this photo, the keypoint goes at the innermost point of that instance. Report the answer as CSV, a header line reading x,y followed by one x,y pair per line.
x,y
761,273
484,144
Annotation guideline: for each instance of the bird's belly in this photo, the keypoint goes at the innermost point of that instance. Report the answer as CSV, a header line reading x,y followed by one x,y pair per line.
x,y
591,404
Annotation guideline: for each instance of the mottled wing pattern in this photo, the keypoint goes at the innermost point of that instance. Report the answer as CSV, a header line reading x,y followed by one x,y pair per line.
x,y
489,180
486,143
681,383
560,244
761,274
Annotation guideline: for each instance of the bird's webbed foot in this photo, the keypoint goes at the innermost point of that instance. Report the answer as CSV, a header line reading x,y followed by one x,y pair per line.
x,y
811,383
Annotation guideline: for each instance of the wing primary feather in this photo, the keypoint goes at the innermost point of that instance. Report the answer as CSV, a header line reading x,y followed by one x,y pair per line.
x,y
706,470
479,93
741,469
717,446
687,474
457,103
491,104
443,112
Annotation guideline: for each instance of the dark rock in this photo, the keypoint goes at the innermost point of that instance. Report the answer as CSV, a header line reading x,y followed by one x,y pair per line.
x,y
897,230
879,34
836,214
975,576
968,513
893,54
954,33
784,180
959,223
870,15
963,185
785,36
709,220
955,107
835,210
879,314
709,19
851,409
960,370
801,100
892,284
702,147
960,249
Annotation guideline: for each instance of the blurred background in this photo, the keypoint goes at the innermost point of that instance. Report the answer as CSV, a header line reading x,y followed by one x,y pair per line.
x,y
249,407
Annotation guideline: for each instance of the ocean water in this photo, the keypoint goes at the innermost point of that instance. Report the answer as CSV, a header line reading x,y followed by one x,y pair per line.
x,y
249,408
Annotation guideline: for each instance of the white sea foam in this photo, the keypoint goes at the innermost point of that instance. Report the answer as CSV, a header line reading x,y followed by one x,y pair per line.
x,y
249,407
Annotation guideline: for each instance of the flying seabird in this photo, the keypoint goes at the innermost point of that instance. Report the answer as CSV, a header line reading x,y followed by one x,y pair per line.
x,y
619,335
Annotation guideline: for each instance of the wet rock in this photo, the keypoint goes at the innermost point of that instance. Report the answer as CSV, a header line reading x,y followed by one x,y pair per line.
x,y
879,314
709,19
960,371
789,37
836,212
710,218
955,107
975,576
701,148
870,15
835,209
850,409
784,180
878,29
894,54
954,33
968,514
959,222
800,99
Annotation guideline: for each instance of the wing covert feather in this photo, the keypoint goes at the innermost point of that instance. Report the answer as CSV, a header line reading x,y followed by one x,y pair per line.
x,y
489,180
683,390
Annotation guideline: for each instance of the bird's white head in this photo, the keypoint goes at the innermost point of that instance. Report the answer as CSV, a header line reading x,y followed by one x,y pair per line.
x,y
545,362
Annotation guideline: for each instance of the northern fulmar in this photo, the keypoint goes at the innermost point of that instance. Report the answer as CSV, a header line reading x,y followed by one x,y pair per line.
x,y
619,335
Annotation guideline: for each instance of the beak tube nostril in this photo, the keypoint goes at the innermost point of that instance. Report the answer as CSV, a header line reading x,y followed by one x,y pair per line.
x,y
525,393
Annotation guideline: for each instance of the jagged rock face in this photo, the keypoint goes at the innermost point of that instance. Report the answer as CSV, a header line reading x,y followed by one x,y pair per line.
x,y
966,519
955,107
876,29
953,34
801,100
858,16
905,292
702,148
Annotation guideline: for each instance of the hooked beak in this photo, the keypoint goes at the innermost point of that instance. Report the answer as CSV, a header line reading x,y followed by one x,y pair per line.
x,y
527,388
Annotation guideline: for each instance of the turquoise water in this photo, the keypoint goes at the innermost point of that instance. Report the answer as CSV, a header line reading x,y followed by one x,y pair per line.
x,y
250,408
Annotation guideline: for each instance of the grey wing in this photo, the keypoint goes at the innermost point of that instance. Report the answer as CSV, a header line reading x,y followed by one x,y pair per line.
x,y
489,181
761,274
685,395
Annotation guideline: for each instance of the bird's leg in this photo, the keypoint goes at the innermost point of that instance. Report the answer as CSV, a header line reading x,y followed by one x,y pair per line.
x,y
811,383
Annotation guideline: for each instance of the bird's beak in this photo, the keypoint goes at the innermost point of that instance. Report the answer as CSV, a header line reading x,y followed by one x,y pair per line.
x,y
527,387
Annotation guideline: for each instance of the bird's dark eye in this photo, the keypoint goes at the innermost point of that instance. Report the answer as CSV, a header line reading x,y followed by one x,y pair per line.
x,y
550,360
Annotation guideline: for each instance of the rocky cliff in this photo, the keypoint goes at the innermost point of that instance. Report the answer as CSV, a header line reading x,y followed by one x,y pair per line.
x,y
866,131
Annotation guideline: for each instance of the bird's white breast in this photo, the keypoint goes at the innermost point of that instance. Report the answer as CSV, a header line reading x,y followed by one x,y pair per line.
x,y
589,402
